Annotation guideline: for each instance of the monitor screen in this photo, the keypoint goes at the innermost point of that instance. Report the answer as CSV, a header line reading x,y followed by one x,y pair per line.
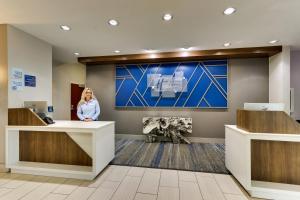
x,y
37,106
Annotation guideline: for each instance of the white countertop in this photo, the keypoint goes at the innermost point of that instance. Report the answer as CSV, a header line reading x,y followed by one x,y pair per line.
x,y
65,124
257,135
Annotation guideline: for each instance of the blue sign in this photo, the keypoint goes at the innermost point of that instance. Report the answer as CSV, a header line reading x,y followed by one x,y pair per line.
x,y
50,109
30,81
198,84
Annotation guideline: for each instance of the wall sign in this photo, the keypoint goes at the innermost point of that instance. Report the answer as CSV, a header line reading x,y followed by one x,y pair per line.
x,y
30,81
50,109
199,84
16,79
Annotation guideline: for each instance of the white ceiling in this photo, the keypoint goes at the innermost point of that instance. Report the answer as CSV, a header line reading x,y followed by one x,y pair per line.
x,y
197,23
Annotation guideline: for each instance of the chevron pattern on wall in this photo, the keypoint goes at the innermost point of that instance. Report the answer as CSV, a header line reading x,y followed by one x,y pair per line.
x,y
206,85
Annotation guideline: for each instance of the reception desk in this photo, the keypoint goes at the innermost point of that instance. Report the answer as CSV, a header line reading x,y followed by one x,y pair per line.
x,y
71,149
263,154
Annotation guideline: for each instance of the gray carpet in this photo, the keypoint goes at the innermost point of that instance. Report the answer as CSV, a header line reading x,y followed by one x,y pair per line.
x,y
202,157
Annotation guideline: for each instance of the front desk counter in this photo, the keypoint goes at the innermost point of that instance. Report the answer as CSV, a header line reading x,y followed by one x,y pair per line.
x,y
70,149
263,153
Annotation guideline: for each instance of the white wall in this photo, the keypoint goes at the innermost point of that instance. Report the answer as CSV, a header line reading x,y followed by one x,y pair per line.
x,y
34,57
21,50
279,78
295,82
63,76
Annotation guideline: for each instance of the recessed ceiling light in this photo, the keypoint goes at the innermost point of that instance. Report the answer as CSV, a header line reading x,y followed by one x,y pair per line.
x,y
65,27
185,48
229,11
167,17
150,50
227,44
117,51
185,54
273,41
153,55
76,54
113,22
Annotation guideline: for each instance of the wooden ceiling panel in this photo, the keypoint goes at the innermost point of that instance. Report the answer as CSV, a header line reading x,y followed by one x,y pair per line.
x,y
252,52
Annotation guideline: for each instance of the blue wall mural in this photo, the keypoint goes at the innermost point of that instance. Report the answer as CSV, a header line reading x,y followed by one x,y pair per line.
x,y
201,84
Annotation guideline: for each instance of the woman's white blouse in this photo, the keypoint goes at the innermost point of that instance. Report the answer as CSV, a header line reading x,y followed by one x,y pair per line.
x,y
89,109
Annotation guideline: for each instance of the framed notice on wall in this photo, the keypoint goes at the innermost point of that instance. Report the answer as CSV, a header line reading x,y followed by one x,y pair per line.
x,y
16,79
29,80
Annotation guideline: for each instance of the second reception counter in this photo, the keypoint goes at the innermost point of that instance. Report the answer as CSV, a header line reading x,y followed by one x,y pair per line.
x,y
263,154
71,149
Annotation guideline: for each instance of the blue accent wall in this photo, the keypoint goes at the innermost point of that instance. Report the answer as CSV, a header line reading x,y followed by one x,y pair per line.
x,y
207,85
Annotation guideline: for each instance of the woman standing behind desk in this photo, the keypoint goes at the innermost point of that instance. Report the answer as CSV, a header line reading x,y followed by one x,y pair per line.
x,y
88,108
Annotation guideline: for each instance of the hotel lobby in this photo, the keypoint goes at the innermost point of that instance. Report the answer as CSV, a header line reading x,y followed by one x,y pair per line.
x,y
149,100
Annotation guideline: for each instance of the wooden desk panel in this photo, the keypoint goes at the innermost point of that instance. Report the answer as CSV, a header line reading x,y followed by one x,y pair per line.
x,y
51,147
275,161
24,117
267,122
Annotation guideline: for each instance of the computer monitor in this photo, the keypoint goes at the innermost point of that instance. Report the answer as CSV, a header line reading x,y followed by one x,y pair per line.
x,y
37,106
264,106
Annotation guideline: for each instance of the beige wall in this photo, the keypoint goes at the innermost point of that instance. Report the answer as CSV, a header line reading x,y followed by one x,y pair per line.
x,y
34,57
63,76
279,78
248,82
3,89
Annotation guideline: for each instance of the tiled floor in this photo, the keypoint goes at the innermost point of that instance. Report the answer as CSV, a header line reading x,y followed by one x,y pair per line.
x,y
123,183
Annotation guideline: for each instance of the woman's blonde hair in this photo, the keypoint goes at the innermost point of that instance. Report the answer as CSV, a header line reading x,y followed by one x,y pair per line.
x,y
83,100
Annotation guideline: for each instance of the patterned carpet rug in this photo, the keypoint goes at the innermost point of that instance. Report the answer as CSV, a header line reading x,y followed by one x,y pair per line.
x,y
202,157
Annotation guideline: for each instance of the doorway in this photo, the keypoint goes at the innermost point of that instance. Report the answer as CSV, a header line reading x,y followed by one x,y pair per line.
x,y
76,90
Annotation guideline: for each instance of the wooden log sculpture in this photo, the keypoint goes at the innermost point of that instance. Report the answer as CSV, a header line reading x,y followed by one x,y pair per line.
x,y
167,129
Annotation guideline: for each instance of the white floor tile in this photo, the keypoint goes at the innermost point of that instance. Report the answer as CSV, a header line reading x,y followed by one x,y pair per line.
x,y
140,196
118,173
18,181
4,191
102,193
21,191
81,193
168,193
189,191
235,197
153,170
210,189
169,178
105,190
187,176
204,174
110,185
7,177
44,189
41,179
99,179
111,166
127,188
68,186
56,197
150,182
136,171
227,184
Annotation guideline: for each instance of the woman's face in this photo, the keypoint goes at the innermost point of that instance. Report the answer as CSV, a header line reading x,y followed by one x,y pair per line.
x,y
88,95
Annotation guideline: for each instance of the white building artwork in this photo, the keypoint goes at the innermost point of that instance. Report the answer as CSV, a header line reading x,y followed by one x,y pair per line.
x,y
167,85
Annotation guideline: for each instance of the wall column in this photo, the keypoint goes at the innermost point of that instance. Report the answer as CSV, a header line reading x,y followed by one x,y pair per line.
x,y
3,91
279,78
